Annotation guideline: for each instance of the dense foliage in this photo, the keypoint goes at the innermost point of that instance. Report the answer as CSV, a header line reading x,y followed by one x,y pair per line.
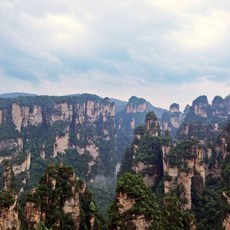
x,y
162,216
181,153
57,186
6,199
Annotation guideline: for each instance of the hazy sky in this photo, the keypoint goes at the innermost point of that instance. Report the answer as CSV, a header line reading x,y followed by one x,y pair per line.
x,y
162,50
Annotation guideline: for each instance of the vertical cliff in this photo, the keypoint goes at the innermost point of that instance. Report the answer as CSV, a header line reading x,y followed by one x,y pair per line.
x,y
60,201
183,167
75,129
9,217
136,207
172,120
8,211
146,152
205,121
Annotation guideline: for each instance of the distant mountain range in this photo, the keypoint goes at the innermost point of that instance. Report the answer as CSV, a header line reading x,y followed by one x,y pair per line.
x,y
16,94
120,105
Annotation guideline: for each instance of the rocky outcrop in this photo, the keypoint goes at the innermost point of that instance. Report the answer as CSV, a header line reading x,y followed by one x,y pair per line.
x,y
147,152
23,116
57,179
152,125
17,169
125,202
7,177
93,150
33,214
200,106
204,121
9,217
61,144
17,116
72,207
136,105
221,107
141,223
172,120
226,223
63,112
49,127
184,167
174,108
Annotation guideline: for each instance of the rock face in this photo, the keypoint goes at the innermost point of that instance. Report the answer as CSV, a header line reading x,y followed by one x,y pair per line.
x,y
200,106
226,223
133,115
61,144
204,121
128,197
136,207
125,203
136,105
72,207
172,120
183,166
56,201
32,214
57,179
147,152
22,116
128,119
50,128
9,217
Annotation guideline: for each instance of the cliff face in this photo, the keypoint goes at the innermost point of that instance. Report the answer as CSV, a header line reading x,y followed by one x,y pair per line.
x,y
184,168
132,193
136,207
125,204
136,105
39,129
203,120
226,223
128,119
58,191
200,106
133,115
59,202
172,120
35,114
147,152
9,217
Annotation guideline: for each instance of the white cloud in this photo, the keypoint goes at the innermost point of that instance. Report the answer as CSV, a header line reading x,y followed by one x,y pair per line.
x,y
153,49
203,31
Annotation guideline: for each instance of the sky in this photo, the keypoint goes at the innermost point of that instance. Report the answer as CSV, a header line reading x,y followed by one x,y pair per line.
x,y
167,51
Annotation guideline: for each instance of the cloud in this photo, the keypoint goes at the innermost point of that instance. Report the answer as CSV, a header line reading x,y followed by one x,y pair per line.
x,y
115,48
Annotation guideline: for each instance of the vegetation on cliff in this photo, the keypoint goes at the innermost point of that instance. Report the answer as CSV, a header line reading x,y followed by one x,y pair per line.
x,y
159,215
82,132
61,201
